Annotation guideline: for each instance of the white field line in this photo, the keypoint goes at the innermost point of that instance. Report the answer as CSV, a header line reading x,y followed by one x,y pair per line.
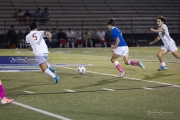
x,y
29,92
147,88
162,83
41,111
175,86
108,89
68,90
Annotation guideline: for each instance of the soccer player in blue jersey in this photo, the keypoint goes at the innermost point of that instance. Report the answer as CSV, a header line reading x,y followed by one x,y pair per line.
x,y
120,48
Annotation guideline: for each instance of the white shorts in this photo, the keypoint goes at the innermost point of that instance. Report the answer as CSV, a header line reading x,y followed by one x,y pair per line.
x,y
41,58
172,47
122,51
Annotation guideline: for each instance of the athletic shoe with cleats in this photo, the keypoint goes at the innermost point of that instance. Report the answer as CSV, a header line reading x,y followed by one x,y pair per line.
x,y
52,70
122,73
141,65
6,101
162,68
56,80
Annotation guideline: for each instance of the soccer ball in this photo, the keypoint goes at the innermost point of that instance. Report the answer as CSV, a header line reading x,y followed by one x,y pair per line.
x,y
81,69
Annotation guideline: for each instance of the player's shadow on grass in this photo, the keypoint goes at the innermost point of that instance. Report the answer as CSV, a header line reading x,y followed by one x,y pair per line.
x,y
99,83
157,75
22,87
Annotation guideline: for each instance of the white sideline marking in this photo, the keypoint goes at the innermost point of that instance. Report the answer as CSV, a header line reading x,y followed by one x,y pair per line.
x,y
108,89
28,92
175,86
147,88
128,78
68,90
41,111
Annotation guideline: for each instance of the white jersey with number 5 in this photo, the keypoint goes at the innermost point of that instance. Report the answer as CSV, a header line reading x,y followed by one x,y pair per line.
x,y
37,42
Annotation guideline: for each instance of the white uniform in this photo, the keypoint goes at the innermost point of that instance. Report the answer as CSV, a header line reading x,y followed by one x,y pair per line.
x,y
101,35
169,44
40,49
70,34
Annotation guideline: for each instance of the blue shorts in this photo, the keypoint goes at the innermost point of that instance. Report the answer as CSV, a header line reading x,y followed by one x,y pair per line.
x,y
41,58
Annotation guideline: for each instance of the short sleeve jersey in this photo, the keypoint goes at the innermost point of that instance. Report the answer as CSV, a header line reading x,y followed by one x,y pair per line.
x,y
36,40
165,37
116,33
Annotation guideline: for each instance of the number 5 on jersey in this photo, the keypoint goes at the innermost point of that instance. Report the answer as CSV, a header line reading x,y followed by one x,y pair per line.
x,y
35,37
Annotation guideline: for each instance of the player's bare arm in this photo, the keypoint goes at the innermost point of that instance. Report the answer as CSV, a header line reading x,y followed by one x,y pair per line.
x,y
157,39
30,48
157,30
116,44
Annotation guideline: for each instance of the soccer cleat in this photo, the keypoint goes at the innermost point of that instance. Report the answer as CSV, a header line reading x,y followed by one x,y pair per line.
x,y
122,73
162,68
56,80
52,70
6,101
141,65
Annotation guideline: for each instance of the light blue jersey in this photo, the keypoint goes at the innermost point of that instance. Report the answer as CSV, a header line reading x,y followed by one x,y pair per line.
x,y
115,32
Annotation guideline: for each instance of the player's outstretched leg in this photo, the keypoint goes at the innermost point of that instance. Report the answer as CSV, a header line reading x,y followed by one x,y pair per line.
x,y
56,78
4,99
134,63
50,68
46,70
141,65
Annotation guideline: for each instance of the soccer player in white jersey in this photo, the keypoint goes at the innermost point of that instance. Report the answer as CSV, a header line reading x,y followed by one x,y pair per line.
x,y
120,48
36,43
4,99
169,44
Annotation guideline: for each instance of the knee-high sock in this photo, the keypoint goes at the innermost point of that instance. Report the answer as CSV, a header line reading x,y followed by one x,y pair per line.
x,y
47,64
132,62
118,66
48,72
2,92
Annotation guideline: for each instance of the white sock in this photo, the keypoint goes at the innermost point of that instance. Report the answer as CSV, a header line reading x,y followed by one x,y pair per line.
x,y
129,62
163,64
48,65
116,63
48,72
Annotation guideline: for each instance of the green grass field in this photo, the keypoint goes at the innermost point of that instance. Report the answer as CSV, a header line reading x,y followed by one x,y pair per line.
x,y
99,94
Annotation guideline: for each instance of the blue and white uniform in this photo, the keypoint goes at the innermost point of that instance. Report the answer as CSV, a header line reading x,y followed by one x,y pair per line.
x,y
122,48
